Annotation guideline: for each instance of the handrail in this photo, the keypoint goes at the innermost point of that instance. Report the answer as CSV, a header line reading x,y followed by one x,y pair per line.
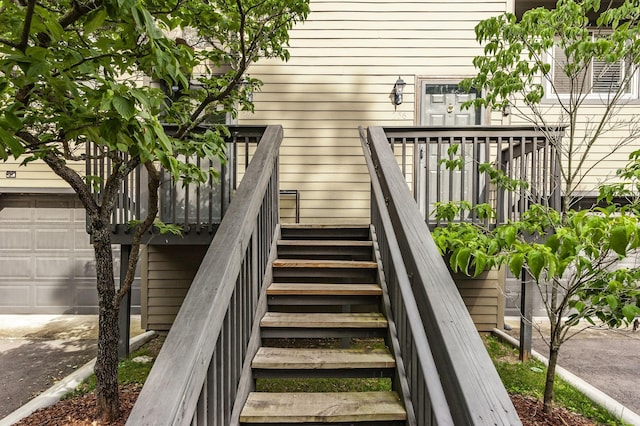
x,y
195,377
471,385
405,305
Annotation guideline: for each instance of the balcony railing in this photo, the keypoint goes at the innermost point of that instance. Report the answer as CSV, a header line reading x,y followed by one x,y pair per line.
x,y
197,208
427,160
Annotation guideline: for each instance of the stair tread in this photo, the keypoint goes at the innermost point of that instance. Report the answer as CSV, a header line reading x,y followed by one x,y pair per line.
x,y
324,320
319,359
312,263
319,289
320,226
323,243
322,407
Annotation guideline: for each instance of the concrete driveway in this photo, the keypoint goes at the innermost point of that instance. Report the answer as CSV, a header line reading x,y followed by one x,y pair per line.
x,y
608,359
38,350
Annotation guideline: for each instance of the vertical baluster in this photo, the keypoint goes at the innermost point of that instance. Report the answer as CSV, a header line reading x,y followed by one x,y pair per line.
x,y
226,192
427,176
546,184
200,417
438,167
463,169
220,381
523,177
511,167
487,182
210,192
198,185
212,391
535,180
404,158
450,196
125,200
138,198
475,178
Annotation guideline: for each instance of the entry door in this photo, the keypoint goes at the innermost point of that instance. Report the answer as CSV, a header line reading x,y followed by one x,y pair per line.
x,y
442,106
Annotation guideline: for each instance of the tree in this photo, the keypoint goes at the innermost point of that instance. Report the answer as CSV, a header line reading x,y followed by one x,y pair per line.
x,y
564,56
67,80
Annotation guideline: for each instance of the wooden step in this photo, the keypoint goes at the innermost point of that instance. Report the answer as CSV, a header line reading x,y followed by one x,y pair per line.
x,y
321,359
323,264
262,407
325,249
320,289
324,232
323,320
324,271
325,243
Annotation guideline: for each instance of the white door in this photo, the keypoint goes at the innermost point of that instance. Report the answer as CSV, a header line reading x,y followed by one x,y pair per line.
x,y
441,105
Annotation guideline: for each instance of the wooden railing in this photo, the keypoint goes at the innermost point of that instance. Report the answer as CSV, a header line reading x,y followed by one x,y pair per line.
x,y
196,375
522,153
450,377
196,208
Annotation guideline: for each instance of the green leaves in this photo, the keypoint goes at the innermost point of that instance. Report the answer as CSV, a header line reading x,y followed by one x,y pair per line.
x,y
124,107
618,240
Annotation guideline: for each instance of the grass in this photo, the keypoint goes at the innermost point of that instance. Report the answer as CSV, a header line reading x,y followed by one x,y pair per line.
x,y
528,379
129,371
327,384
520,378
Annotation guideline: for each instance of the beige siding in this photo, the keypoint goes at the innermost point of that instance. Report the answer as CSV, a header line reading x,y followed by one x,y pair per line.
x,y
34,175
168,272
344,61
484,298
607,155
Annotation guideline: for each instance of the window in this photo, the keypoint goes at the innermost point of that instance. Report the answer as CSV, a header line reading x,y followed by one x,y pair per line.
x,y
597,80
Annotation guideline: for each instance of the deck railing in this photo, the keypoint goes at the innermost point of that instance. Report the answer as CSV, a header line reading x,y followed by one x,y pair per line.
x,y
427,158
196,375
196,208
451,379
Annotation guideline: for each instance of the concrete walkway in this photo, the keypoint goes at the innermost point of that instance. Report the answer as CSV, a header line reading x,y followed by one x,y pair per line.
x,y
36,351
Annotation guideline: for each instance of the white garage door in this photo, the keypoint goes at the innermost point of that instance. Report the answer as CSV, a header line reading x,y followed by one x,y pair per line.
x,y
47,264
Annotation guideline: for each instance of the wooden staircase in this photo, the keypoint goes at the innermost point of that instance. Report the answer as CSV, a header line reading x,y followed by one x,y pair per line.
x,y
324,322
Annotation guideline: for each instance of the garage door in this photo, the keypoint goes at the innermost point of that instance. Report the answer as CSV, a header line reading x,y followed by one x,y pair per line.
x,y
46,261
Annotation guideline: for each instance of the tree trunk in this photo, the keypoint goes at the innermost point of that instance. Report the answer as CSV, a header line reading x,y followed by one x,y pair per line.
x,y
106,370
551,375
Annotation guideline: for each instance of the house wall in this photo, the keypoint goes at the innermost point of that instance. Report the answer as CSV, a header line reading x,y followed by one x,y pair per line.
x,y
484,298
344,61
168,272
607,155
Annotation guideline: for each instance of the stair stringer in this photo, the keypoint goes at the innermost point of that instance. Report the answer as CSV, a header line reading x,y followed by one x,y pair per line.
x,y
246,383
400,382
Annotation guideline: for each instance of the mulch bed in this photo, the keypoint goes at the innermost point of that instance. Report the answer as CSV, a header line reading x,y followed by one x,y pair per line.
x,y
530,412
81,412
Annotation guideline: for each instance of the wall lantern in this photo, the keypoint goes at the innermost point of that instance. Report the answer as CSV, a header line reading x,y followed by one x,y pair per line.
x,y
398,88
247,89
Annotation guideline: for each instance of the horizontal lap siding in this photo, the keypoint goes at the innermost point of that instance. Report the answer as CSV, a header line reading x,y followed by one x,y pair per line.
x,y
606,155
35,175
344,61
484,297
168,273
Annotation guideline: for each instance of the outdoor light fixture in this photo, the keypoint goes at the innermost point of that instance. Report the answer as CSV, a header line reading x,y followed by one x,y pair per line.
x,y
247,89
398,88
